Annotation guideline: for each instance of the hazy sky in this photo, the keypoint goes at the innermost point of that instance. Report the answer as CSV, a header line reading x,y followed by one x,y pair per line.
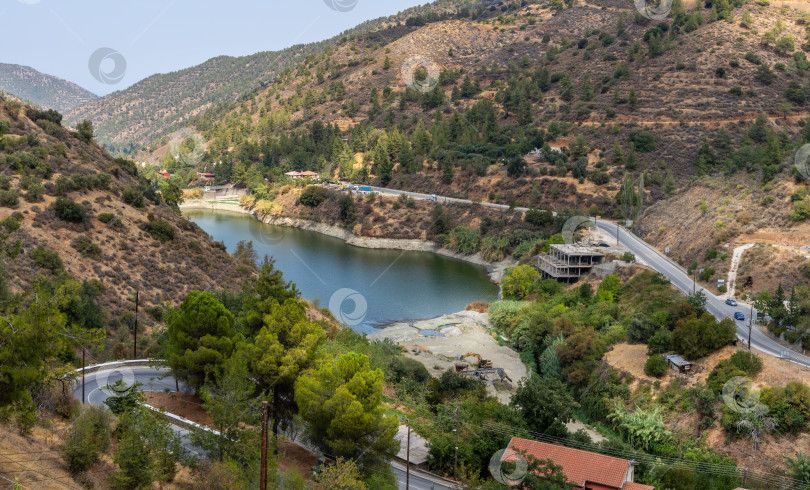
x,y
59,37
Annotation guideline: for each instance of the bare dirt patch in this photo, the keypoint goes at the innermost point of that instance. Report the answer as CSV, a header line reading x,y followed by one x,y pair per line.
x,y
186,405
463,332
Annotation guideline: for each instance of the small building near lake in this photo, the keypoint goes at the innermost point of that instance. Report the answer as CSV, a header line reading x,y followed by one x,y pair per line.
x,y
679,364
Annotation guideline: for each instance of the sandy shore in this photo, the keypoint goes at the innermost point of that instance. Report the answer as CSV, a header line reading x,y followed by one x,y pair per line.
x,y
495,270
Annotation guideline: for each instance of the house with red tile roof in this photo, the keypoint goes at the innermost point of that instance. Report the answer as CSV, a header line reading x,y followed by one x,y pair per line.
x,y
585,470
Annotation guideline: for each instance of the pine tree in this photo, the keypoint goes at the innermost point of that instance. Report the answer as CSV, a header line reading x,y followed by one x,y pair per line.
x,y
341,403
632,163
669,184
633,100
618,154
586,93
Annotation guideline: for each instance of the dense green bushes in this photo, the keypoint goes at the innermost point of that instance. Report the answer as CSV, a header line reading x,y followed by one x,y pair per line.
x,y
518,280
464,240
133,196
46,259
695,337
504,314
655,366
69,211
88,437
790,406
313,196
76,182
106,217
160,230
9,198
739,364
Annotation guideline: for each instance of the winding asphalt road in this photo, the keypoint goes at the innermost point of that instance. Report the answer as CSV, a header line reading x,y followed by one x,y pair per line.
x,y
651,257
158,379
441,199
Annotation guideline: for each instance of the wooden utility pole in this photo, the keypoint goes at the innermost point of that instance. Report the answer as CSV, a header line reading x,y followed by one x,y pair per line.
x,y
135,347
750,326
694,283
83,375
745,477
617,234
263,481
455,459
408,461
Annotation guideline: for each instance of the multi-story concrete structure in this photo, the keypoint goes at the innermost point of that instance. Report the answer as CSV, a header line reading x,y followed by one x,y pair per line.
x,y
568,262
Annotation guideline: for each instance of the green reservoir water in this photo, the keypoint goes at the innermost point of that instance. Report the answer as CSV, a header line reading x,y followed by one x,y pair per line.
x,y
364,288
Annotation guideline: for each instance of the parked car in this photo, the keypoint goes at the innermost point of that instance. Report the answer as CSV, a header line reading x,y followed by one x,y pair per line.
x,y
731,302
739,316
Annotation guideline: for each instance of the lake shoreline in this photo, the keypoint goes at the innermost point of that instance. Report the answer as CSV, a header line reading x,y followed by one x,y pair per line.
x,y
494,270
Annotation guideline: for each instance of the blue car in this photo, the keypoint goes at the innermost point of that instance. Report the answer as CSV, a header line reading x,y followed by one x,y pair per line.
x,y
739,316
731,302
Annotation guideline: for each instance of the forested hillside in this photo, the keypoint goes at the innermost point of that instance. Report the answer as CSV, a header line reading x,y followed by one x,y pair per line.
x,y
134,117
625,112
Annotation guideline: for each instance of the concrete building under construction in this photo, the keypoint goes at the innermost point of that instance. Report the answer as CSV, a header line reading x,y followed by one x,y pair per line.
x,y
567,263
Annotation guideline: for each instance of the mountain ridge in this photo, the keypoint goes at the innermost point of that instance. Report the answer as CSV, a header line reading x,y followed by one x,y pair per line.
x,y
47,91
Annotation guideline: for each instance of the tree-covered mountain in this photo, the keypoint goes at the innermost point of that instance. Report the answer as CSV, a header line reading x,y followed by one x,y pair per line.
x,y
26,83
704,108
128,119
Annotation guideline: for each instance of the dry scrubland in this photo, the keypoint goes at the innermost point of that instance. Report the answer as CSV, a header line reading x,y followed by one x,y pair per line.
x,y
630,359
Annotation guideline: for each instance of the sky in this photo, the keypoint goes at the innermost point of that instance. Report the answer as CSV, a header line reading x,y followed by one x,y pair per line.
x,y
108,45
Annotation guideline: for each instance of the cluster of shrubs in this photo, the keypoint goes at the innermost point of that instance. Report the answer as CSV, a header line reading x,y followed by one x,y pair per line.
x,y
31,163
9,198
69,211
135,196
313,196
76,182
46,259
86,247
160,230
655,366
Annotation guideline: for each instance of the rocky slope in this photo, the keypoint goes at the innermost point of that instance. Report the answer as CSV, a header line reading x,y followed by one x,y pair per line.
x,y
146,248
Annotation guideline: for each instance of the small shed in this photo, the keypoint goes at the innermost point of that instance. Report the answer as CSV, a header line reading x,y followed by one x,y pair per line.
x,y
679,364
